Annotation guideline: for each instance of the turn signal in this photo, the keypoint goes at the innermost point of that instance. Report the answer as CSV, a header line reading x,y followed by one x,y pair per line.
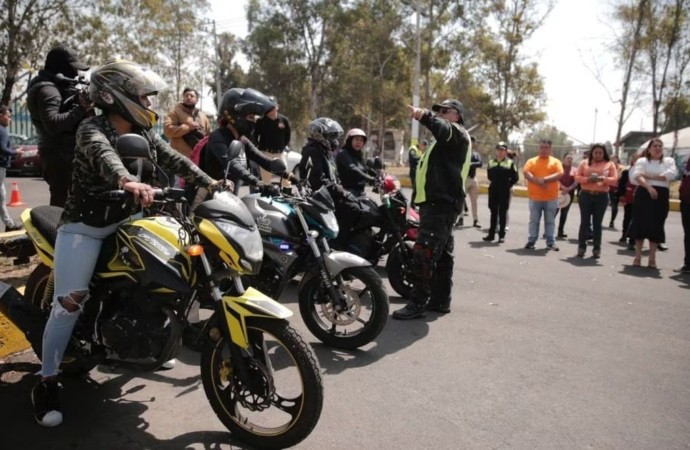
x,y
195,250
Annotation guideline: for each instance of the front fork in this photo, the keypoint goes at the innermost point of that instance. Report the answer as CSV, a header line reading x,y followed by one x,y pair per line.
x,y
238,355
330,283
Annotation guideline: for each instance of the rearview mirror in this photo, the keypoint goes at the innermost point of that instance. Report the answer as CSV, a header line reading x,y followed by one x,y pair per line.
x,y
277,166
369,163
378,165
133,146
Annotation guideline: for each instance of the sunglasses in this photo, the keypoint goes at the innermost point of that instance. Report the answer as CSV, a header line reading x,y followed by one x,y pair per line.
x,y
545,141
447,110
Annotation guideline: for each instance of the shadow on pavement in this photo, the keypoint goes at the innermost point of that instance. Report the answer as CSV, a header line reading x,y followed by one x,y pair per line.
x,y
397,336
98,414
524,252
683,279
484,244
582,262
640,272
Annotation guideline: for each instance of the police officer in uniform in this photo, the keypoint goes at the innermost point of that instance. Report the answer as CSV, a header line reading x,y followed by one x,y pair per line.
x,y
503,175
440,182
416,152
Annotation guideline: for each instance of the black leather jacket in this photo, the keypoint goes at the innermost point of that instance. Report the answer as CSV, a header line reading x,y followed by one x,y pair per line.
x,y
56,122
352,171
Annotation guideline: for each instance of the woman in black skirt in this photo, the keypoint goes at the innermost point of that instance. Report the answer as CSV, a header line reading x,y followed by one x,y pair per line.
x,y
652,173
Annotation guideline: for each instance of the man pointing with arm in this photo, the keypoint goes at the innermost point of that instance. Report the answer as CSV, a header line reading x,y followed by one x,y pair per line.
x,y
439,194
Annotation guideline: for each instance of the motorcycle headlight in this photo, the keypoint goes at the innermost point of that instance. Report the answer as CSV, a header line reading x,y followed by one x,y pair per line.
x,y
248,241
331,222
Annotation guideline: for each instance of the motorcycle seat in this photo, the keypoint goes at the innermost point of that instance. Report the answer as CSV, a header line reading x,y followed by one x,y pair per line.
x,y
46,220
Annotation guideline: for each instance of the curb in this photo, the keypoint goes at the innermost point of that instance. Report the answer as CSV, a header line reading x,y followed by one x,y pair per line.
x,y
11,338
520,191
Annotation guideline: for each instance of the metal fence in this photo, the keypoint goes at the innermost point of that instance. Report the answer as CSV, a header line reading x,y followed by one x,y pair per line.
x,y
21,121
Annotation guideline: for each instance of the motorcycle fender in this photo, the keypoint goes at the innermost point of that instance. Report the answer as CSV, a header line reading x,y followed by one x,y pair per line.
x,y
251,304
336,262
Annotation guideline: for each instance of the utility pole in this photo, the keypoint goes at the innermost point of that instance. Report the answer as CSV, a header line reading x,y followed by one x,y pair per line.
x,y
594,135
417,69
217,52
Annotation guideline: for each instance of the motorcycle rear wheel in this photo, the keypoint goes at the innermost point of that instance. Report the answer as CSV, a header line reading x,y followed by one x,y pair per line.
x,y
313,298
397,272
33,293
285,346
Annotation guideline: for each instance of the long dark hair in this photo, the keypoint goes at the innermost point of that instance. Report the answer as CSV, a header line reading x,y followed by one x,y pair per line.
x,y
648,150
591,153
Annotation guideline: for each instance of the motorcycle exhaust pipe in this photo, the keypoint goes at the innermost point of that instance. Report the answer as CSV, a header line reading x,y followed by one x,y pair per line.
x,y
25,316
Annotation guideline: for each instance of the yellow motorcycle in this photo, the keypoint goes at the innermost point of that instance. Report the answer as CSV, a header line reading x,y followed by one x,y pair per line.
x,y
261,378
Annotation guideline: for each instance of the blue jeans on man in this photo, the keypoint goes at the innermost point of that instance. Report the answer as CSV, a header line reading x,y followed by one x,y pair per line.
x,y
536,208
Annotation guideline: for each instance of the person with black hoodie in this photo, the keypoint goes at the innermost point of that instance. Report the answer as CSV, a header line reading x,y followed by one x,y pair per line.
x,y
56,110
350,163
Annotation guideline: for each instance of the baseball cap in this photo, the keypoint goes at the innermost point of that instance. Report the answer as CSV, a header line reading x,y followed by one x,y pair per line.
x,y
502,145
449,103
61,54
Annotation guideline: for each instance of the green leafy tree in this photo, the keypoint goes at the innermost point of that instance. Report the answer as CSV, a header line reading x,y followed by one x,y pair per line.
x,y
231,73
514,83
560,141
27,29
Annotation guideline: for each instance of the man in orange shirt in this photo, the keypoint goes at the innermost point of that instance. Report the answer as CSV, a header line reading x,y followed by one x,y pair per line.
x,y
542,174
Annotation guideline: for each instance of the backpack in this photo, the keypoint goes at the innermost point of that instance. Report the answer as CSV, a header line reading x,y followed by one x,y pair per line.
x,y
196,154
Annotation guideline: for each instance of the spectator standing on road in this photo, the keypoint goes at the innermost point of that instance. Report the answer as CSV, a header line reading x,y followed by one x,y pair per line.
x,y
472,186
543,173
595,175
415,153
273,135
652,172
685,215
512,155
6,154
56,110
626,192
568,186
185,125
502,175
440,184
614,198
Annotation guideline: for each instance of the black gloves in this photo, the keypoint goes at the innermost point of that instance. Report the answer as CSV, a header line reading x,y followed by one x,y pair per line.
x,y
268,190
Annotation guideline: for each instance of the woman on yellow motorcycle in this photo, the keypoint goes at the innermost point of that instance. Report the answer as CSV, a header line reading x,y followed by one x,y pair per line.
x,y
121,89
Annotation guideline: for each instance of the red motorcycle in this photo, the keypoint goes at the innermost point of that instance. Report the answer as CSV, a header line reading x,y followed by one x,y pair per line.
x,y
389,228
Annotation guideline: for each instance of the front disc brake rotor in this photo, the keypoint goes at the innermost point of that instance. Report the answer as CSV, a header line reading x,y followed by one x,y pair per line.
x,y
347,317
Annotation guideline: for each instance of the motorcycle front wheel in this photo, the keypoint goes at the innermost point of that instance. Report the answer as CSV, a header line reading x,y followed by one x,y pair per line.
x,y
282,403
354,327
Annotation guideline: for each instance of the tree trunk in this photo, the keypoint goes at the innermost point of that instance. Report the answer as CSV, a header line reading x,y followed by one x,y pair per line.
x,y
629,70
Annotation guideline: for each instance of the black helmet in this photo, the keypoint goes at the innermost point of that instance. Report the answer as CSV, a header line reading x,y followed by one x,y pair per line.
x,y
117,85
238,103
326,132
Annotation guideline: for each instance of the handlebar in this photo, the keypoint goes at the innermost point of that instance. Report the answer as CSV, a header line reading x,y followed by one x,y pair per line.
x,y
171,194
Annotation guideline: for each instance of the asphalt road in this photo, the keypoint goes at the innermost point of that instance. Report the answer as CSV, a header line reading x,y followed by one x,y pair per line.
x,y
542,351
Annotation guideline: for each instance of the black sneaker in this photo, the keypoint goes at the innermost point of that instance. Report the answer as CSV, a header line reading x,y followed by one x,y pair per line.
x,y
684,269
476,224
15,227
622,239
501,240
561,236
488,238
410,311
44,397
439,308
662,247
529,246
552,247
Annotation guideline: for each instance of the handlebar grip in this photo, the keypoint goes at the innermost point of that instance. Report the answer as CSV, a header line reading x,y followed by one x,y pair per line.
x,y
120,194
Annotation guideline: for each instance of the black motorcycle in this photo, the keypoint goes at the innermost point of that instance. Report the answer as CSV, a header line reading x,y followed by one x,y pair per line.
x,y
341,297
389,228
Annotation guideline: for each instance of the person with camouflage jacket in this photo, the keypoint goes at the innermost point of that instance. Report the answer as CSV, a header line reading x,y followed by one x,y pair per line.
x,y
121,89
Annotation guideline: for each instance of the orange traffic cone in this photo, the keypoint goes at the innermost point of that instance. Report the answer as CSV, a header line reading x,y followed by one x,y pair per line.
x,y
16,198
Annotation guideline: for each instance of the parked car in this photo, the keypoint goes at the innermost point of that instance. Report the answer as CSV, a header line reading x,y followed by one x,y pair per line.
x,y
29,163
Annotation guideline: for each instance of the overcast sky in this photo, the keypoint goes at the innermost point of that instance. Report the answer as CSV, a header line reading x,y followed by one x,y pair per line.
x,y
572,38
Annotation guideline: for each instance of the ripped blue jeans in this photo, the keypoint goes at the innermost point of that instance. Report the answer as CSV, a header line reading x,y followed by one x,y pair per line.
x,y
76,253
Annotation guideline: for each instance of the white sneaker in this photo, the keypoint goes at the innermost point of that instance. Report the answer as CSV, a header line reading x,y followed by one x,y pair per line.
x,y
168,365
